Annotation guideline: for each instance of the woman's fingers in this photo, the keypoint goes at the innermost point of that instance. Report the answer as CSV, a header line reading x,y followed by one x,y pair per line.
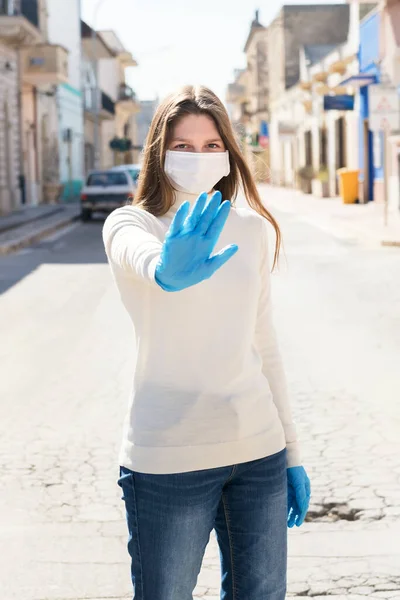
x,y
293,515
179,219
307,500
193,218
218,223
302,503
209,213
218,260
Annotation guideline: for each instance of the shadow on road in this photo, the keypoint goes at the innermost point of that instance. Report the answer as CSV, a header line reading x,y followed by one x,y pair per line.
x,y
78,244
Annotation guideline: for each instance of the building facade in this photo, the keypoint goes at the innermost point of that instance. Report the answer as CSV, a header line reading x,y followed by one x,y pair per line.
x,y
10,151
112,74
300,37
247,99
41,154
64,29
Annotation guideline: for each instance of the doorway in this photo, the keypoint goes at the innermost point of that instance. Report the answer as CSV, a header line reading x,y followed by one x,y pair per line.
x,y
368,186
308,148
340,138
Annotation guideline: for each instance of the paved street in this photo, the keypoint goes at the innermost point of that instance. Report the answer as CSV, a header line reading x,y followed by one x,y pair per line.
x,y
65,370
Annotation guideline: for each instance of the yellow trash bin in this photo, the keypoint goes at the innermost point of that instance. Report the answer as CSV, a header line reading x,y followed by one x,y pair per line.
x,y
348,185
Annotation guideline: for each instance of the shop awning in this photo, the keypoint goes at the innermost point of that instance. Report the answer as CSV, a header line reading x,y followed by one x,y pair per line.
x,y
359,80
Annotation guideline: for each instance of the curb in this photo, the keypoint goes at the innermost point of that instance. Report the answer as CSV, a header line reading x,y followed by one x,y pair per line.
x,y
27,240
16,225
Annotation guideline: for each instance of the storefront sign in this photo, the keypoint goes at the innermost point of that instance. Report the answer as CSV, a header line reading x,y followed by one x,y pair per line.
x,y
383,108
263,137
342,102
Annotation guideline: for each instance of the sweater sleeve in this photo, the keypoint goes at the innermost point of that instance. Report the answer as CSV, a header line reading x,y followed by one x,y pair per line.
x,y
129,243
267,345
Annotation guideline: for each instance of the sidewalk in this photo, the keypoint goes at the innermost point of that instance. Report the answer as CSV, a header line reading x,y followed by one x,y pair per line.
x,y
361,223
30,224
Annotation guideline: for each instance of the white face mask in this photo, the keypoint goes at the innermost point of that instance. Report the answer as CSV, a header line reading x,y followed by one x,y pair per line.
x,y
196,172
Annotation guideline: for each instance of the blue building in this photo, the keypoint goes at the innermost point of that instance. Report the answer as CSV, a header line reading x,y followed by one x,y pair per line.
x,y
370,144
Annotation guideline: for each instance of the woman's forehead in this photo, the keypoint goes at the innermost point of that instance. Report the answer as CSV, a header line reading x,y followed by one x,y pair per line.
x,y
195,125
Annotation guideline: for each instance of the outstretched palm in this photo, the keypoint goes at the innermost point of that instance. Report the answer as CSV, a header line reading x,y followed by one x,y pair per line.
x,y
186,257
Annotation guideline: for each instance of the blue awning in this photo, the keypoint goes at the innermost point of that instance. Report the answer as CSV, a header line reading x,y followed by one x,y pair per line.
x,y
359,80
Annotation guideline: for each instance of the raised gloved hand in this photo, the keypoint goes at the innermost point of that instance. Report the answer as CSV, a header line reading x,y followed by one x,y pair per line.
x,y
186,253
299,492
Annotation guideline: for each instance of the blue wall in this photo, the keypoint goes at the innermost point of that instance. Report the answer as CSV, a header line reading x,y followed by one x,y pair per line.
x,y
368,57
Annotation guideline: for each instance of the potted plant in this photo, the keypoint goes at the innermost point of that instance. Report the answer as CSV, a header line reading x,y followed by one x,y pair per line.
x,y
320,184
52,188
305,176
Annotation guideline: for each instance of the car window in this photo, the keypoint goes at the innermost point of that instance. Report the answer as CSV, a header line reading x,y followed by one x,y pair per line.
x,y
134,174
107,179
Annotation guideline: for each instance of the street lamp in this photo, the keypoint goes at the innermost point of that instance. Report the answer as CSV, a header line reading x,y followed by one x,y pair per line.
x,y
95,62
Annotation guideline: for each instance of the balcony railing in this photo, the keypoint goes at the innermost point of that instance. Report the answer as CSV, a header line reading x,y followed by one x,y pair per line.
x,y
26,8
19,22
126,93
10,8
44,64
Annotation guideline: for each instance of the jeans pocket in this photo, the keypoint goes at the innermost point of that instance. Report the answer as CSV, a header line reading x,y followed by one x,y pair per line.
x,y
125,482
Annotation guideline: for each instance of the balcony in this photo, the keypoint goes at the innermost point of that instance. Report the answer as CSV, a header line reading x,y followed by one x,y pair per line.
x,y
339,66
127,103
306,86
308,106
126,60
19,23
236,93
320,77
44,64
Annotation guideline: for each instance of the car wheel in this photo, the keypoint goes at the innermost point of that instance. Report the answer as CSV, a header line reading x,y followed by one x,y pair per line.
x,y
86,215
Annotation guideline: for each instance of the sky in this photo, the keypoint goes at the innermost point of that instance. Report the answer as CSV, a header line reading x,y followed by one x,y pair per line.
x,y
178,42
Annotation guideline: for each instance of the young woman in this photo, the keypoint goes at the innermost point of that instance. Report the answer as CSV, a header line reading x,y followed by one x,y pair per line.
x,y
209,441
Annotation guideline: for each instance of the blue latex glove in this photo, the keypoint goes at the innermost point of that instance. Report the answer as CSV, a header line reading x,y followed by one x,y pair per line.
x,y
299,492
186,253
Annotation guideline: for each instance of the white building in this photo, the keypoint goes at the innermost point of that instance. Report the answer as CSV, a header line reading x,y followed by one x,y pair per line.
x,y
110,104
64,28
309,144
144,119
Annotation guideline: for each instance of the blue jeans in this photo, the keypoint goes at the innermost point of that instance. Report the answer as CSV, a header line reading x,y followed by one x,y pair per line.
x,y
170,518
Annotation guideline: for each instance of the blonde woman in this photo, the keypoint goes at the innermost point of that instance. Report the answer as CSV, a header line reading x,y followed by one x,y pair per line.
x,y
209,441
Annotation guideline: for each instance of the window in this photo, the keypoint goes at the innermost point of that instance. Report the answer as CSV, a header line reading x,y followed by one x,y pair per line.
x,y
134,174
107,179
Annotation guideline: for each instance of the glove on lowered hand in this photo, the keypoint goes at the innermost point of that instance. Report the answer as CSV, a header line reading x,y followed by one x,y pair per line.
x,y
186,252
299,492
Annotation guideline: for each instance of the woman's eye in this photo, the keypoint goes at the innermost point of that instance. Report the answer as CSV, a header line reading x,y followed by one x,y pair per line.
x,y
181,146
213,146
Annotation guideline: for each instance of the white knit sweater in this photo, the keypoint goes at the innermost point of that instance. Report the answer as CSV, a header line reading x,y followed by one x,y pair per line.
x,y
209,388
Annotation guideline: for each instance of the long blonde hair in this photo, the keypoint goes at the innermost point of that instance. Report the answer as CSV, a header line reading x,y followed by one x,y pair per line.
x,y
155,193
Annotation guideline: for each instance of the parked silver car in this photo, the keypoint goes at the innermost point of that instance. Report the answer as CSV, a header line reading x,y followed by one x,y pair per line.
x,y
105,191
134,170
